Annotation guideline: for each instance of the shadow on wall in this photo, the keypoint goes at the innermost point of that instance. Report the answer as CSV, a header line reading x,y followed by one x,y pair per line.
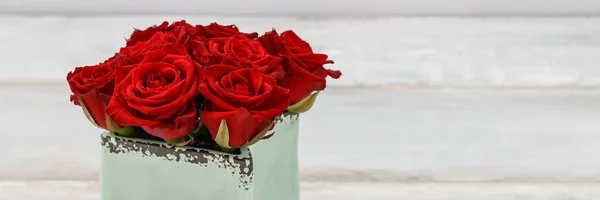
x,y
306,7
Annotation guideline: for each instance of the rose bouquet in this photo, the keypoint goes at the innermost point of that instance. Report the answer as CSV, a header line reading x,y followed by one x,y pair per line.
x,y
208,86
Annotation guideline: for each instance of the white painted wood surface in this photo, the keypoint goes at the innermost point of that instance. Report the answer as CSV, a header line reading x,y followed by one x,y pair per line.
x,y
73,190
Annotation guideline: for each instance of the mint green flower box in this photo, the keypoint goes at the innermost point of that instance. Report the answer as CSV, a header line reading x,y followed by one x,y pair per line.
x,y
138,169
276,162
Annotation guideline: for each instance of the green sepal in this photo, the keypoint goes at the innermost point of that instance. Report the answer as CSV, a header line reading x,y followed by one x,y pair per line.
x,y
87,113
228,150
305,104
260,135
112,125
182,141
222,138
127,131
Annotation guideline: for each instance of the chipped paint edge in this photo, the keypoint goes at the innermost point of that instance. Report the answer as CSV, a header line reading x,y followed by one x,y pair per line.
x,y
287,118
240,165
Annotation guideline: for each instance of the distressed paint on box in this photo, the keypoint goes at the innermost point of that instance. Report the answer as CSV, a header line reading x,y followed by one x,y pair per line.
x,y
276,162
135,169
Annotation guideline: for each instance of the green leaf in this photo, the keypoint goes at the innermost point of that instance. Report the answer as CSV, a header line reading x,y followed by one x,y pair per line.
x,y
260,135
305,104
127,131
182,141
222,138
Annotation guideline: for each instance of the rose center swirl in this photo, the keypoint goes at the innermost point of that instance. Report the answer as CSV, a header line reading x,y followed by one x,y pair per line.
x,y
160,79
242,50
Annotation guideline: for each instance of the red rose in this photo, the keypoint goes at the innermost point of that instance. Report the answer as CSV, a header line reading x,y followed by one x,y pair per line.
x,y
245,50
244,100
98,77
216,30
194,38
180,32
304,68
179,28
159,41
198,42
158,93
92,88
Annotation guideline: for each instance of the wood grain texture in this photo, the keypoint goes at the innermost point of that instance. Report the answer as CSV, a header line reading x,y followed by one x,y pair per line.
x,y
306,7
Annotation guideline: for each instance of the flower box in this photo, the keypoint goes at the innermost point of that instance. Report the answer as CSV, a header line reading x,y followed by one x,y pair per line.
x,y
138,169
270,172
276,162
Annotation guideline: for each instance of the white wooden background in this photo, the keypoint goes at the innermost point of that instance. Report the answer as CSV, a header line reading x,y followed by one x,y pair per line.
x,y
405,7
479,108
456,98
398,51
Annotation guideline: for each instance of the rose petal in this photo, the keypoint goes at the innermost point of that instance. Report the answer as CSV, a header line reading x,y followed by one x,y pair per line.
x,y
301,83
272,42
182,124
95,106
275,104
